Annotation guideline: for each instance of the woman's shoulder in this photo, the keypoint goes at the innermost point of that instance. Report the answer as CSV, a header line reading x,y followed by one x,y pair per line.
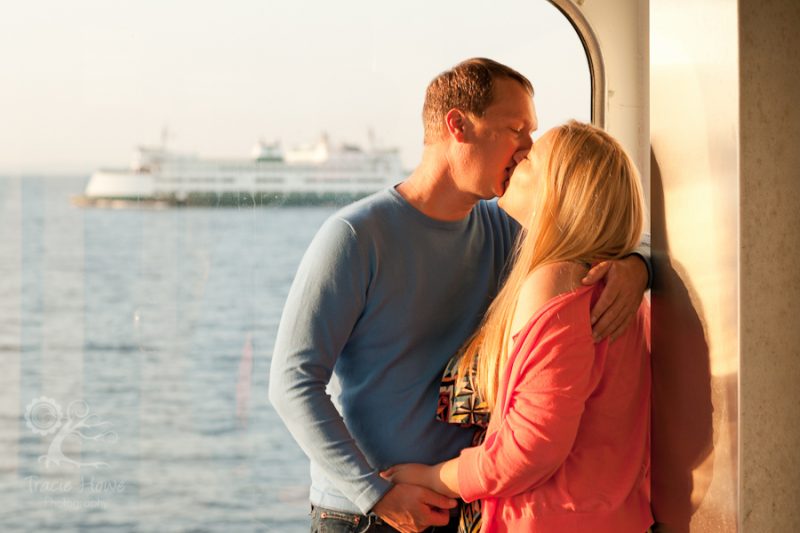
x,y
551,285
550,281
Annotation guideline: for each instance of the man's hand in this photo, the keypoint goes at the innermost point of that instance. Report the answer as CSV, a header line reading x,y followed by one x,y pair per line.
x,y
409,508
626,281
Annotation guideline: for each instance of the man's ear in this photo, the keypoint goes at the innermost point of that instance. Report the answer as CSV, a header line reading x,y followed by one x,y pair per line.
x,y
457,124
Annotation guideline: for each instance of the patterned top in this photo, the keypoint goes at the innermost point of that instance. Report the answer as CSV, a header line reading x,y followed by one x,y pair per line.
x,y
461,403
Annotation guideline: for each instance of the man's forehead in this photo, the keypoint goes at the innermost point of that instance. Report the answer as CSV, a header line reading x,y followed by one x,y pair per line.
x,y
514,107
510,99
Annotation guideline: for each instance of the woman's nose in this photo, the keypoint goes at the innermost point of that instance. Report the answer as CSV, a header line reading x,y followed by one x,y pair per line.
x,y
519,155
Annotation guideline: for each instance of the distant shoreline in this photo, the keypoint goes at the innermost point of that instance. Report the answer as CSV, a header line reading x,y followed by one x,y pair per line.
x,y
222,200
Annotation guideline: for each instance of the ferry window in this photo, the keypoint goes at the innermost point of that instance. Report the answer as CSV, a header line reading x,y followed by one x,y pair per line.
x,y
138,314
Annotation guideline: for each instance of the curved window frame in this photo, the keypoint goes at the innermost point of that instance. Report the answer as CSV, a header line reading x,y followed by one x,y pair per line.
x,y
593,55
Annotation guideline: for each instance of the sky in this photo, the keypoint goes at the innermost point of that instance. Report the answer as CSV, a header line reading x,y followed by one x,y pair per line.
x,y
82,83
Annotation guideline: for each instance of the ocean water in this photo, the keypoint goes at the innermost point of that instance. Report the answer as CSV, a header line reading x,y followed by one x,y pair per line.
x,y
134,357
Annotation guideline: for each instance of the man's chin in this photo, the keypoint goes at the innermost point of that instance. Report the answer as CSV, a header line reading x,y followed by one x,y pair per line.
x,y
497,190
501,189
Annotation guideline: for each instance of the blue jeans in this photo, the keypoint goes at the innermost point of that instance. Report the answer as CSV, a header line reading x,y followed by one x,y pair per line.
x,y
332,521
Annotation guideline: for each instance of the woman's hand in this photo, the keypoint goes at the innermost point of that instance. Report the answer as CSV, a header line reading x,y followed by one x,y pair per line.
x,y
441,478
412,473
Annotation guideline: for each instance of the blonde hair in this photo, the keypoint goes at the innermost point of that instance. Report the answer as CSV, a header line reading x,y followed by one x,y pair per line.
x,y
590,209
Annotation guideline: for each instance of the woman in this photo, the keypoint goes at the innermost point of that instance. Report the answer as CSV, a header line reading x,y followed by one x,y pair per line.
x,y
567,446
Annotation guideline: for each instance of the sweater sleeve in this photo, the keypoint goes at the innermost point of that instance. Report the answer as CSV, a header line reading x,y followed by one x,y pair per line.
x,y
551,376
324,303
645,253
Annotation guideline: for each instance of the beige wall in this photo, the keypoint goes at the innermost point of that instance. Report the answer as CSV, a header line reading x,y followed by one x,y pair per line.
x,y
694,127
769,37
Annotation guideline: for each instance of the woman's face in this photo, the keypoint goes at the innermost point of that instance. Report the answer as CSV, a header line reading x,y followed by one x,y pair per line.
x,y
526,182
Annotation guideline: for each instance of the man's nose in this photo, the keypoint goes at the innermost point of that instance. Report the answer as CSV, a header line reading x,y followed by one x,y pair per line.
x,y
526,142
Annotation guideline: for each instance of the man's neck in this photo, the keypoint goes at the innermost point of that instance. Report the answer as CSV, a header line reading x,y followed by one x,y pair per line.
x,y
432,190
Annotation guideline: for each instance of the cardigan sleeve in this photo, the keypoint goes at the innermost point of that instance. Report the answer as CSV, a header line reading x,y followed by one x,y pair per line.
x,y
551,373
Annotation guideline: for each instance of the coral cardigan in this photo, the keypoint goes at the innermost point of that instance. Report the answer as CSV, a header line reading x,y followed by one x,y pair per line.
x,y
568,444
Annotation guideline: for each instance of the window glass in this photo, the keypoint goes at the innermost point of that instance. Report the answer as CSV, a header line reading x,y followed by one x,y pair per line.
x,y
136,336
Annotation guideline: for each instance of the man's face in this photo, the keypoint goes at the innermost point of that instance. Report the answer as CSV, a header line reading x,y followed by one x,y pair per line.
x,y
505,128
527,181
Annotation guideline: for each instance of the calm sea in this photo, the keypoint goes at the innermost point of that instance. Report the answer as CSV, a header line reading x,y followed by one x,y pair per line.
x,y
134,356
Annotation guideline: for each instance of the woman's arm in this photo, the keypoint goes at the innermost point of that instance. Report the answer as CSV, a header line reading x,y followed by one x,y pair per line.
x,y
537,431
441,478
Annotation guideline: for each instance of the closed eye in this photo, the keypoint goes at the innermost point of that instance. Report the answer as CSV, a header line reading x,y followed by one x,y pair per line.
x,y
522,129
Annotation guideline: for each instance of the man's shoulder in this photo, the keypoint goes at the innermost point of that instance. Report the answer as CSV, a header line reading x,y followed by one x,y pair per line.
x,y
357,225
387,211
368,209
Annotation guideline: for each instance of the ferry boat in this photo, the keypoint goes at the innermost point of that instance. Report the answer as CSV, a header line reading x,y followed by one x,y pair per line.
x,y
315,174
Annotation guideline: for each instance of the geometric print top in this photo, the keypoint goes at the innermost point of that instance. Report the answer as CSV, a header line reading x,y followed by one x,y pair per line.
x,y
460,403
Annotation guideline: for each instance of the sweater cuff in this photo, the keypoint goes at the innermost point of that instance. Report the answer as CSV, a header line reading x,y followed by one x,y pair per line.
x,y
645,253
378,487
647,264
469,483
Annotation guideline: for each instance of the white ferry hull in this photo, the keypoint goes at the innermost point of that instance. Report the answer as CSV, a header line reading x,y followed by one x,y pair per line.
x,y
338,178
119,184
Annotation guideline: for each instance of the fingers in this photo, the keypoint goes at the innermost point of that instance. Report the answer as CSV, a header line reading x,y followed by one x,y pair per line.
x,y
404,473
596,273
412,508
404,528
417,509
604,326
600,308
434,499
612,322
621,328
438,517
617,303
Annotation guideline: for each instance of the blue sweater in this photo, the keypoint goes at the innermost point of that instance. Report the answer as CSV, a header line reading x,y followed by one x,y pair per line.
x,y
383,297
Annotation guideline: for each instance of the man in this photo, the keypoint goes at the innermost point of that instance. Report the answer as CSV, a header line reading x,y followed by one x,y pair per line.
x,y
388,291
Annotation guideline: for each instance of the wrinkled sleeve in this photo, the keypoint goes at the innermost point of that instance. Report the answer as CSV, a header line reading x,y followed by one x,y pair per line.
x,y
539,421
644,251
324,303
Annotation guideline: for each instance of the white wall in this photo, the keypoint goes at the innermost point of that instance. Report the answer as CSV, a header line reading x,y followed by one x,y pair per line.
x,y
621,27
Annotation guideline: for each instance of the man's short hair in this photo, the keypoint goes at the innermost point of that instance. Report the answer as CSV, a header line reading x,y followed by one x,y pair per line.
x,y
467,86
